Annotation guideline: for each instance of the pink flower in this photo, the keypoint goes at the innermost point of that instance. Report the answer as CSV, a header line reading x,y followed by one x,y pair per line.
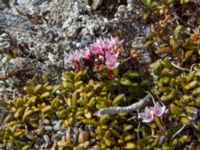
x,y
74,57
85,54
104,43
158,110
111,60
147,116
116,41
103,52
95,49
150,113
107,44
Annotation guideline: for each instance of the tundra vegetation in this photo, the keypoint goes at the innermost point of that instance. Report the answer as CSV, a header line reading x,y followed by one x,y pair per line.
x,y
108,101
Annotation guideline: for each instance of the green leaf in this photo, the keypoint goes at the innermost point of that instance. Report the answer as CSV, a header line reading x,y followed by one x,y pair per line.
x,y
187,55
146,15
135,85
89,122
168,96
69,76
153,5
147,3
156,67
116,72
164,45
118,98
166,63
184,1
125,81
177,32
173,43
149,43
150,35
158,122
78,76
163,50
130,145
131,74
141,144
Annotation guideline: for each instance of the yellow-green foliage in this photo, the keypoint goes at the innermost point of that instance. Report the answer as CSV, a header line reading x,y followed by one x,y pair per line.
x,y
74,102
176,69
179,89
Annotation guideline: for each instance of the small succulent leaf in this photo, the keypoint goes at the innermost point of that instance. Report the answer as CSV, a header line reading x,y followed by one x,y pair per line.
x,y
184,1
125,81
175,110
173,43
69,76
149,43
163,50
177,32
118,98
188,54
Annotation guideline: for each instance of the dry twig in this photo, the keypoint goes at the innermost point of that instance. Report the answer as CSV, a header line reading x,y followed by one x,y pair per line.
x,y
134,107
15,72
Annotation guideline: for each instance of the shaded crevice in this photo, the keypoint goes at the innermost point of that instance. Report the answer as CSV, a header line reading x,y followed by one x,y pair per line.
x,y
108,8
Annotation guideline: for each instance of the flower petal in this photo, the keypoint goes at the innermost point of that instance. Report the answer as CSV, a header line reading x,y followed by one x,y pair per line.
x,y
85,54
147,116
158,110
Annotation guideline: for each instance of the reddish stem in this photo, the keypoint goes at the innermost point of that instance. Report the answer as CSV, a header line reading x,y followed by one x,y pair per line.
x,y
110,74
77,67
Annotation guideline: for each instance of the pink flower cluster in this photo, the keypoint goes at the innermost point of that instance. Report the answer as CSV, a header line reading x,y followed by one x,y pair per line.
x,y
100,52
150,113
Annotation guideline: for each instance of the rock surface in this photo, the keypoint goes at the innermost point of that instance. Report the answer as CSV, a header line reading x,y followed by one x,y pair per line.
x,y
45,31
